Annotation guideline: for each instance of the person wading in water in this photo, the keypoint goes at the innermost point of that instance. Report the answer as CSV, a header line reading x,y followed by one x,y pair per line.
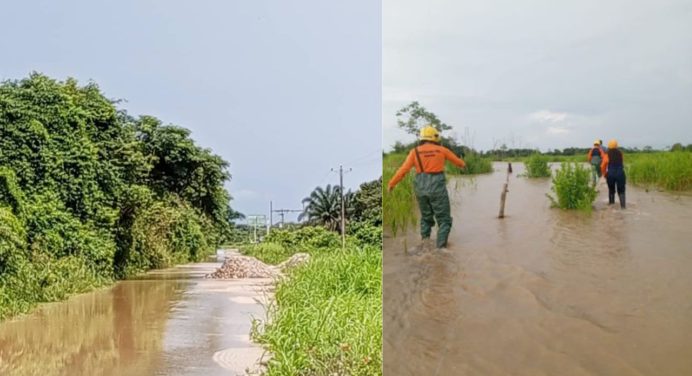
x,y
595,157
430,185
613,168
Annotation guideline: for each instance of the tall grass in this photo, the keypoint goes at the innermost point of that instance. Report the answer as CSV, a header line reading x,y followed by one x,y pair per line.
x,y
666,170
537,166
475,164
572,188
398,206
327,317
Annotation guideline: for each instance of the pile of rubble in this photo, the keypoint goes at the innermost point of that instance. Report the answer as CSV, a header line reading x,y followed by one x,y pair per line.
x,y
237,266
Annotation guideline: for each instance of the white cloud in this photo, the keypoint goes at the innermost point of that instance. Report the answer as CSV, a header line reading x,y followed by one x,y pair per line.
x,y
547,116
557,130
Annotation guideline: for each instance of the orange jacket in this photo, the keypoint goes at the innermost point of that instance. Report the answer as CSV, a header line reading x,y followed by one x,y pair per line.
x,y
432,156
600,150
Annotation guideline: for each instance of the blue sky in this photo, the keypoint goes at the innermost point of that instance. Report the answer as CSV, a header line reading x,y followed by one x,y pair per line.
x,y
282,90
541,73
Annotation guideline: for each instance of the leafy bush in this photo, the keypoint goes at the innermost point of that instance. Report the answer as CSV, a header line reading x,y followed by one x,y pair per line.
x,y
305,238
366,234
89,193
571,185
537,166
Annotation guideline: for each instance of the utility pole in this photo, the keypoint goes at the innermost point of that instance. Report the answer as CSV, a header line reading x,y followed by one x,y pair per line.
x,y
254,220
282,213
343,205
271,221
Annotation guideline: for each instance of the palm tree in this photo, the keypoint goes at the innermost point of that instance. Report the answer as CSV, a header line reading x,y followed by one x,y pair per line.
x,y
323,207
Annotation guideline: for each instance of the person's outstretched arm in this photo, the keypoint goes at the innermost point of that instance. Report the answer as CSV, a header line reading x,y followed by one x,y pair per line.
x,y
402,171
453,158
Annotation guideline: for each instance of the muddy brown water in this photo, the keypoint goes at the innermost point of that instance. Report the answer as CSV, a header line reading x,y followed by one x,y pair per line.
x,y
169,322
543,291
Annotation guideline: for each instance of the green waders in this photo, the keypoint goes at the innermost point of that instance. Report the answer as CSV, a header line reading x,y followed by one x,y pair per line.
x,y
433,201
595,168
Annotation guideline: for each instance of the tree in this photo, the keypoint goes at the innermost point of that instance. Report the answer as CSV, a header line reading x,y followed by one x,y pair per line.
x,y
323,207
367,203
413,117
677,147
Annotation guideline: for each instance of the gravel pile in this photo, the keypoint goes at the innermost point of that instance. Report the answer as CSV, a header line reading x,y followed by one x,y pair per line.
x,y
237,266
295,260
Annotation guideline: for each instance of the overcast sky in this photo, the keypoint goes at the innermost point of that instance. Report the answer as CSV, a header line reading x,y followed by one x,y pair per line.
x,y
542,74
282,90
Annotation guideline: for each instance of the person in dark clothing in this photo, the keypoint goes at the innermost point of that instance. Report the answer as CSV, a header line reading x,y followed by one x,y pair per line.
x,y
613,168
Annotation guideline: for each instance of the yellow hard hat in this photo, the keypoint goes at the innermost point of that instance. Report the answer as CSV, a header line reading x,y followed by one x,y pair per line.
x,y
612,144
429,133
597,142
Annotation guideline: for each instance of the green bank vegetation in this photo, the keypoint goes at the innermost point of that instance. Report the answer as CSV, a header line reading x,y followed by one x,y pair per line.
x,y
665,170
89,194
327,314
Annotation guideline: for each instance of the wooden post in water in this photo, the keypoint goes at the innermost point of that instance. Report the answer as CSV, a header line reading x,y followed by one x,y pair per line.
x,y
503,196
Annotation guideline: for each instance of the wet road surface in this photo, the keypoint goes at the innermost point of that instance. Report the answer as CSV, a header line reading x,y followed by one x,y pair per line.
x,y
169,322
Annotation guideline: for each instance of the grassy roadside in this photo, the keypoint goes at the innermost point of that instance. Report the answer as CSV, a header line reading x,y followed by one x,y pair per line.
x,y
327,316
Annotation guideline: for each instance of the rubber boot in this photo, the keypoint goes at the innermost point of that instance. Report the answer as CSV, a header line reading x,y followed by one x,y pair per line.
x,y
622,200
611,198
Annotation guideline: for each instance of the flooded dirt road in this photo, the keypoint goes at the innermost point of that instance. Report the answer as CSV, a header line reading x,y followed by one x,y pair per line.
x,y
543,291
169,322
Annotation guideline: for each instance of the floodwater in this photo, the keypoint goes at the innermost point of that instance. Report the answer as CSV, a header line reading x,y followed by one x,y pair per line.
x,y
543,291
169,322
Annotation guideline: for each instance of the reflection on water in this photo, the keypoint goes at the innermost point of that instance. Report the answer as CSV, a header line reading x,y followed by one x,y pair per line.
x,y
170,322
544,291
109,332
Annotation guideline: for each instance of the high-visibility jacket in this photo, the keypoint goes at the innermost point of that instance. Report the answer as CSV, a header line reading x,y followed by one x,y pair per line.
x,y
599,151
432,156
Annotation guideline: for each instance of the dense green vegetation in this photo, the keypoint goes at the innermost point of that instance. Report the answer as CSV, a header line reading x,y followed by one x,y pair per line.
x,y
327,316
537,166
666,170
572,187
89,193
399,205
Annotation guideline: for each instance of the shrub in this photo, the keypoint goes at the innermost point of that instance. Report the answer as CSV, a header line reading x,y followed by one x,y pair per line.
x,y
366,234
537,166
305,238
571,185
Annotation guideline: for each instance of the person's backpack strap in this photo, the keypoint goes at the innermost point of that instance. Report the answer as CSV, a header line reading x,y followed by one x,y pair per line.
x,y
422,169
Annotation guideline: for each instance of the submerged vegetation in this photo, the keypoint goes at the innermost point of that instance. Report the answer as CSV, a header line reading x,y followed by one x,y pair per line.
x,y
89,193
399,205
537,166
572,187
